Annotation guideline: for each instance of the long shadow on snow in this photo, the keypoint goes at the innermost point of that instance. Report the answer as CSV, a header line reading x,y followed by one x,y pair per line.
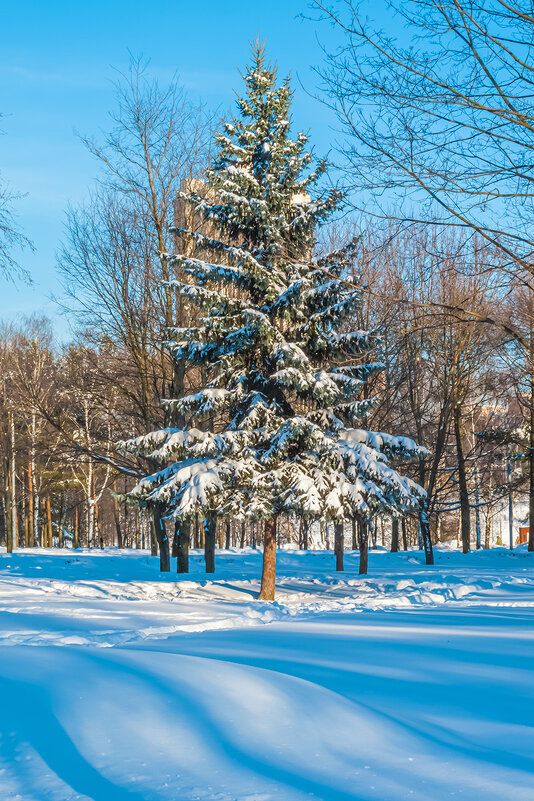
x,y
27,717
216,737
357,680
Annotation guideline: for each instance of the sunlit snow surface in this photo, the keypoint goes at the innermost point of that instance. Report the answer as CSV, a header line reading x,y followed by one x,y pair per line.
x,y
411,683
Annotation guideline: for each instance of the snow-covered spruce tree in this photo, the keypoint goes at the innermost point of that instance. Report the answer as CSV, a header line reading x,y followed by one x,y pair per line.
x,y
274,339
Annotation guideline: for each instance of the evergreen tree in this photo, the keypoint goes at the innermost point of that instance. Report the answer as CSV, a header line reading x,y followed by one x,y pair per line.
x,y
274,339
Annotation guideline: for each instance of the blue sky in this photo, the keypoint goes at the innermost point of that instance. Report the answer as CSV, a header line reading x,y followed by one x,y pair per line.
x,y
56,68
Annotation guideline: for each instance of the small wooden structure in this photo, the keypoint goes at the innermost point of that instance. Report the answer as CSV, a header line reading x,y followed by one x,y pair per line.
x,y
523,535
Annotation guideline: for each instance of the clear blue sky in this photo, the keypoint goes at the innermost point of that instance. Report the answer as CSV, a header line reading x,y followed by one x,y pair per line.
x,y
56,68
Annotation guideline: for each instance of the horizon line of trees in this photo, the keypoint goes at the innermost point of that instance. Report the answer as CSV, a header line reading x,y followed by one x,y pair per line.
x,y
449,291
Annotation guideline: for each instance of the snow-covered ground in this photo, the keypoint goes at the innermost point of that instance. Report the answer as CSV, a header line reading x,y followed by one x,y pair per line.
x,y
411,683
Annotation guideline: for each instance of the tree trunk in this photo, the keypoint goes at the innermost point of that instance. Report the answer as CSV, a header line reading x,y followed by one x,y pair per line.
x,y
116,515
49,523
531,450
197,532
395,535
477,510
487,532
404,540
305,534
153,538
372,529
465,512
137,530
268,575
26,531
184,538
510,504
36,507
354,535
210,527
61,522
75,541
338,544
424,529
34,498
30,538
363,541
13,485
162,539
228,537
7,510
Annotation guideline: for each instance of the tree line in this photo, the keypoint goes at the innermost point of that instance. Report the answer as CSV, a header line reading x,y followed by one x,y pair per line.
x,y
440,135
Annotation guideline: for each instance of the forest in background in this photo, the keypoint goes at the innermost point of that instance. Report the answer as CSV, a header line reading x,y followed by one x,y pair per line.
x,y
450,294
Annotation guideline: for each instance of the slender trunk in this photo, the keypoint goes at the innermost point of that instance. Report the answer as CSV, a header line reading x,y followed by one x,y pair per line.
x,y
477,510
153,538
91,531
465,512
424,521
268,575
75,541
61,522
354,534
90,507
30,539
210,527
35,514
487,532
395,535
197,532
510,504
13,485
163,541
97,527
424,530
49,522
243,534
116,515
404,539
26,542
7,509
372,530
338,544
305,534
228,539
531,448
363,542
183,541
36,507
